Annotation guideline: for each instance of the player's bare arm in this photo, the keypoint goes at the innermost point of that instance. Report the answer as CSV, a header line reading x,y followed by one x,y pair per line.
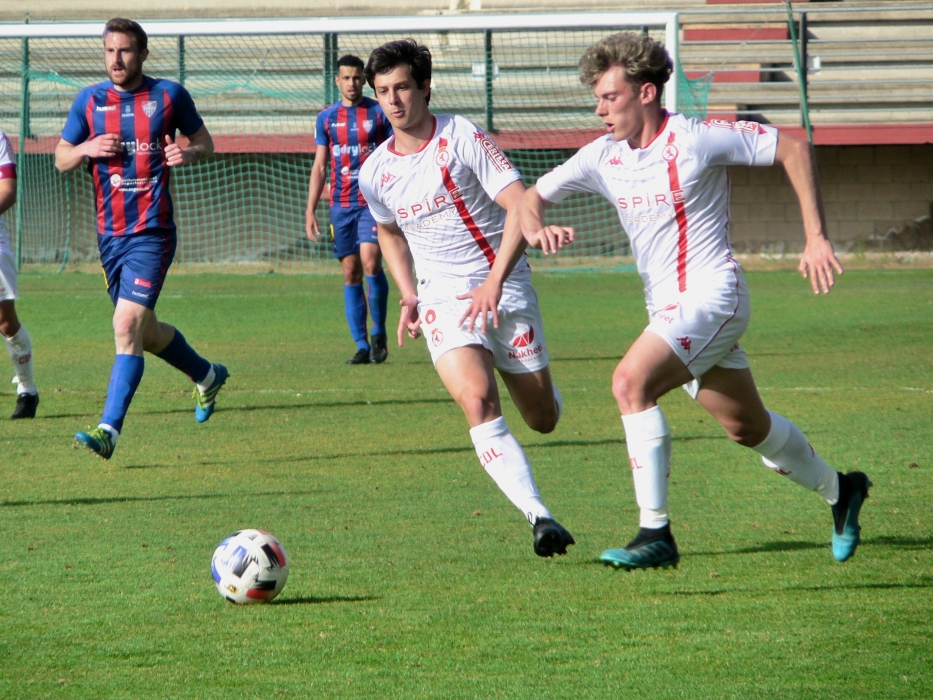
x,y
549,239
485,298
69,156
315,190
397,255
200,144
7,193
818,260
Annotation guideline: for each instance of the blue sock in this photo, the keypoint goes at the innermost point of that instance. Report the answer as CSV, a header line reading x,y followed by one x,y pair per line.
x,y
182,357
354,304
124,378
378,300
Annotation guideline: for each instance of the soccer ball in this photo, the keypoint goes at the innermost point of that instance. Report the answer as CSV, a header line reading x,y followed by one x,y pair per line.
x,y
250,566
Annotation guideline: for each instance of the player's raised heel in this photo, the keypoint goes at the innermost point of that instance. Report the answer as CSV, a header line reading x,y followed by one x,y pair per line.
x,y
204,400
649,550
26,405
97,440
551,538
853,490
378,352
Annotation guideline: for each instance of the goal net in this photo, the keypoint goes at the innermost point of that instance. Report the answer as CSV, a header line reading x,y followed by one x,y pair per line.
x,y
259,86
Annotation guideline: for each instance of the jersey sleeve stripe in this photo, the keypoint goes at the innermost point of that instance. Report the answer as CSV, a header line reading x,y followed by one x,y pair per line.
x,y
466,217
680,213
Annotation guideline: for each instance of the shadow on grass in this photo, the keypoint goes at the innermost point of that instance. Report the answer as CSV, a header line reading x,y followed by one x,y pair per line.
x,y
809,589
318,600
147,499
796,545
269,407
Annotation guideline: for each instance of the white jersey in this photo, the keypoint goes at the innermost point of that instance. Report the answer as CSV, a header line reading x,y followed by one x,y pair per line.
x,y
442,198
7,170
672,196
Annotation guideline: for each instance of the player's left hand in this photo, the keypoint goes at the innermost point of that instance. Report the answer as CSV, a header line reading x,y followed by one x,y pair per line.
x,y
818,262
409,321
174,156
484,300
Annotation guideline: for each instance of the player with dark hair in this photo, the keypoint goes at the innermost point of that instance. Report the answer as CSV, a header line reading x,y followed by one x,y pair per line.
x,y
346,133
15,336
666,176
445,198
125,129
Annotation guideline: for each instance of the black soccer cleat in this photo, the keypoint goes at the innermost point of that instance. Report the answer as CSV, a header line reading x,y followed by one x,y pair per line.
x,y
26,405
853,490
551,538
649,550
360,358
378,352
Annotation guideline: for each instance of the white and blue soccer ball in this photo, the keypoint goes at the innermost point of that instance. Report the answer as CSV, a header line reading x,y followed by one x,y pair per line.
x,y
250,566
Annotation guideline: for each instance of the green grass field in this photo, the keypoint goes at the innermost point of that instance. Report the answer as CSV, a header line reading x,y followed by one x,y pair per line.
x,y
412,576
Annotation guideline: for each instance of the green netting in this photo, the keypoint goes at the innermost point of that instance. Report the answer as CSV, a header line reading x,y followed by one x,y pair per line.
x,y
692,94
259,96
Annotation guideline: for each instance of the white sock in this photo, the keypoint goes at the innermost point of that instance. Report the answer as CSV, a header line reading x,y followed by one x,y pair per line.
x,y
648,439
205,383
20,349
506,462
787,452
114,433
559,402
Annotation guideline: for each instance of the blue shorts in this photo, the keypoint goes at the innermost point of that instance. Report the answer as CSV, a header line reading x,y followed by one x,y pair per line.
x,y
352,226
135,265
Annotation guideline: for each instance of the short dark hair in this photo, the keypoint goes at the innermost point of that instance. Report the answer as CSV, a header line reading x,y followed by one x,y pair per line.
x,y
121,25
351,61
394,53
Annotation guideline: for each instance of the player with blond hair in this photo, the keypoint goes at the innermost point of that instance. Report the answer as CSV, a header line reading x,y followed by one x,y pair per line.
x,y
666,175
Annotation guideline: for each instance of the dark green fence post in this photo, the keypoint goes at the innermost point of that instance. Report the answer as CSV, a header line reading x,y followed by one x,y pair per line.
x,y
490,125
21,166
182,72
330,69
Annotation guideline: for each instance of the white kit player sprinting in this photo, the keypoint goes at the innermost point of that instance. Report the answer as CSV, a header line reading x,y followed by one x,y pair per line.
x,y
446,201
666,175
15,336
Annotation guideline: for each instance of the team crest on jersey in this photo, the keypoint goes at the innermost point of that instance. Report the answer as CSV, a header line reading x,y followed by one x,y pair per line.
x,y
670,152
493,152
442,158
367,124
150,107
437,337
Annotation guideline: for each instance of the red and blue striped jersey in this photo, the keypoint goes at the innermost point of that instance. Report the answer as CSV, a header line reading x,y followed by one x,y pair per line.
x,y
132,188
350,134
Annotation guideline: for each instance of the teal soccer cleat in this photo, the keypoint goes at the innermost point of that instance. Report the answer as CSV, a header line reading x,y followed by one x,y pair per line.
x,y
853,490
649,550
97,440
204,400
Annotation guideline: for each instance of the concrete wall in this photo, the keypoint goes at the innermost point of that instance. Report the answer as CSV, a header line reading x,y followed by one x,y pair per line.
x,y
867,190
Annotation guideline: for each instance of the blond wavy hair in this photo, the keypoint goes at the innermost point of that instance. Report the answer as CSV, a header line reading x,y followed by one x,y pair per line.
x,y
643,59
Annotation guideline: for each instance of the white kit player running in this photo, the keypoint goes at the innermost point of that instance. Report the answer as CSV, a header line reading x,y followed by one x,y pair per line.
x,y
15,336
666,175
446,201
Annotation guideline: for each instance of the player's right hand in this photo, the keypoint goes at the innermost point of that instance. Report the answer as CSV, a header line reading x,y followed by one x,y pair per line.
x,y
409,321
104,146
311,226
552,238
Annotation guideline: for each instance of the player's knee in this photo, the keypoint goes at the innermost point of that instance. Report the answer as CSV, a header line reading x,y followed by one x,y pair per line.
x,y
745,433
628,391
477,409
543,422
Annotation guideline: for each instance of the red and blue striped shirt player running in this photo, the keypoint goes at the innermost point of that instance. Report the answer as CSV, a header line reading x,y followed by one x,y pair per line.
x,y
346,133
125,130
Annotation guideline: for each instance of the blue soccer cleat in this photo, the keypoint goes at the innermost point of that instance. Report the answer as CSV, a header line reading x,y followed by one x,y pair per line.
x,y
853,490
204,400
97,440
649,550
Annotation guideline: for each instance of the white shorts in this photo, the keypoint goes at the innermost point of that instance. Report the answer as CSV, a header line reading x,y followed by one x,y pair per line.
x,y
517,345
704,329
7,272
